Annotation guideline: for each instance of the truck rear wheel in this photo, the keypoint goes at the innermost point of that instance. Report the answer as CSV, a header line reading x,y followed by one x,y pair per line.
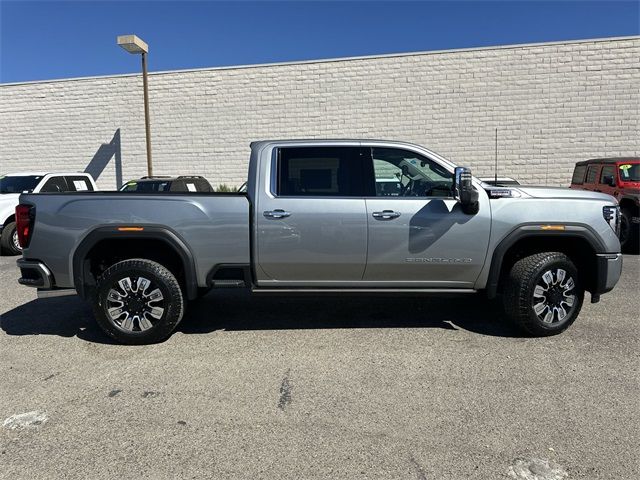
x,y
543,294
138,302
9,240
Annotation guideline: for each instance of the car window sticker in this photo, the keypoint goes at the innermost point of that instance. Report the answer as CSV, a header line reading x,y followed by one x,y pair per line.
x,y
81,185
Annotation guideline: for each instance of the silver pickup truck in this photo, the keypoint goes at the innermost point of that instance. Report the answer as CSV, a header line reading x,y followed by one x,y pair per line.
x,y
339,216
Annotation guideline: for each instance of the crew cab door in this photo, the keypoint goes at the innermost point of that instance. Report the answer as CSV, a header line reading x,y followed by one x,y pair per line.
x,y
311,217
418,234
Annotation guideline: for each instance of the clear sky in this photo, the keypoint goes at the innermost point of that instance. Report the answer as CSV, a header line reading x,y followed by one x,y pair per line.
x,y
52,39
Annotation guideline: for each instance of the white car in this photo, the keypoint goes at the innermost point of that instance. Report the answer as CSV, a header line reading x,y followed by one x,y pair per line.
x,y
13,184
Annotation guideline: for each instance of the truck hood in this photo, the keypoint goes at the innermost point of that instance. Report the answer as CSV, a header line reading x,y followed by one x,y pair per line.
x,y
556,192
8,202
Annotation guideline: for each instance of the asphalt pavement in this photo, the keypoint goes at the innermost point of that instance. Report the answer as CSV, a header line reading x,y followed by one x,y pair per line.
x,y
361,387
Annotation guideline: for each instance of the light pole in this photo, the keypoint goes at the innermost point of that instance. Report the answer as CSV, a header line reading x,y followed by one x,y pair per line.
x,y
133,44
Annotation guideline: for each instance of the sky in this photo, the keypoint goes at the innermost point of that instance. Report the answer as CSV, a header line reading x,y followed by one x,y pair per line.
x,y
53,39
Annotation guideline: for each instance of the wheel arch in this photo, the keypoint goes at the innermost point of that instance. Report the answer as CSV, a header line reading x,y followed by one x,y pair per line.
x,y
111,244
579,242
629,203
9,219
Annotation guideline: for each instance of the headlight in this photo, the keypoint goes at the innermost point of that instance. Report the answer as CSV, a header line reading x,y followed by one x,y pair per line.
x,y
612,216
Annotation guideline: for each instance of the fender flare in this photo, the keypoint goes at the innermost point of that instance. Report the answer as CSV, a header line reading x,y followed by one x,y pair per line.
x,y
150,232
534,230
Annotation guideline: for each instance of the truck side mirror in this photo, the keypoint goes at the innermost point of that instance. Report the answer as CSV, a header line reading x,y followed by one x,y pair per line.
x,y
609,180
464,192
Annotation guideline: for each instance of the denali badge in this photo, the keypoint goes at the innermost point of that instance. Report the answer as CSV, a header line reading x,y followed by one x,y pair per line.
x,y
437,260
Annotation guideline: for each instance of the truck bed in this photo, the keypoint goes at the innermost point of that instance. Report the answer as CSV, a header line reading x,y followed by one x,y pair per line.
x,y
214,226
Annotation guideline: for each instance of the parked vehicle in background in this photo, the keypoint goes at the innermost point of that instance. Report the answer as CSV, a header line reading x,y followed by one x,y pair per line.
x,y
13,184
183,183
620,178
500,182
313,220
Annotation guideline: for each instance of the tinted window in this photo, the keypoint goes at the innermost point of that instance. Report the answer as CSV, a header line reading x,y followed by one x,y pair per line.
x,y
147,186
18,184
404,173
203,186
592,174
578,175
607,170
320,171
55,184
79,184
629,172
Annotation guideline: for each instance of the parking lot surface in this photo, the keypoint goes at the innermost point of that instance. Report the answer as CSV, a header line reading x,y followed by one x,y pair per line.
x,y
331,387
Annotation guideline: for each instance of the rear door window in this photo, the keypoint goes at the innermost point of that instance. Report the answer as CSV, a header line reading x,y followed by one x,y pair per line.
x,y
607,171
320,172
79,184
592,173
55,185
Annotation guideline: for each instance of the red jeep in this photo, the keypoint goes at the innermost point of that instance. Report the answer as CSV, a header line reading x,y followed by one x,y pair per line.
x,y
619,177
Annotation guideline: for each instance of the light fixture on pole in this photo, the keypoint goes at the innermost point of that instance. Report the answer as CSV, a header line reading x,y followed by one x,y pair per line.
x,y
135,45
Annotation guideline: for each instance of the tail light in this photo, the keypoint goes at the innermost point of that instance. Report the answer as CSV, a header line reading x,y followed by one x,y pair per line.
x,y
25,214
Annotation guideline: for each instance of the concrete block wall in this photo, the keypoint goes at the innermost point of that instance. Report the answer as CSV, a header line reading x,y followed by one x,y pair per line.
x,y
553,104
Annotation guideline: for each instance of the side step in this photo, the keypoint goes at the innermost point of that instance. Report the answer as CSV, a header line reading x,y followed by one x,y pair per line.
x,y
388,291
228,284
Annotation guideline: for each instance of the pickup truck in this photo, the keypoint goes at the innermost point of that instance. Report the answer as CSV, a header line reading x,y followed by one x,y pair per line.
x,y
315,220
13,184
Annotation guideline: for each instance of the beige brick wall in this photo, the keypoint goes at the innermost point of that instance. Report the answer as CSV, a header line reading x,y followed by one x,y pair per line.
x,y
553,104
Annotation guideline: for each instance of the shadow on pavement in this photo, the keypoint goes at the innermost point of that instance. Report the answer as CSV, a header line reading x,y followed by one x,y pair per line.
x,y
240,310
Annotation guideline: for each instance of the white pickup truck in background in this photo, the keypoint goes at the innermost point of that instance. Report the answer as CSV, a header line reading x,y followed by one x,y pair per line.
x,y
13,184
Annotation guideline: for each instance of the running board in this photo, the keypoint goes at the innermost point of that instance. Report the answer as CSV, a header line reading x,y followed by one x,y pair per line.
x,y
56,292
363,290
228,284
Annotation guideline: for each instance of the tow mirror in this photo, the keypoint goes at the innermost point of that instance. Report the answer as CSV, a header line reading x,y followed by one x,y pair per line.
x,y
609,180
464,192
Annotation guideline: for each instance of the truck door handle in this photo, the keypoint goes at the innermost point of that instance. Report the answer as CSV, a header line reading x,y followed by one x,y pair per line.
x,y
385,215
277,213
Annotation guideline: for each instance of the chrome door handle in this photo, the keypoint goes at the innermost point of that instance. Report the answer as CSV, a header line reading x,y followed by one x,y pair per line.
x,y
277,213
385,215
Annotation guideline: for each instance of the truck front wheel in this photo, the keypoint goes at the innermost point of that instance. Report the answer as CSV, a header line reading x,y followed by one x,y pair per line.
x,y
138,302
543,294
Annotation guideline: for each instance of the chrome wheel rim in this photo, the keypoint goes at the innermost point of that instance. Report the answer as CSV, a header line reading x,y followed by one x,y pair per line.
x,y
554,296
135,304
15,240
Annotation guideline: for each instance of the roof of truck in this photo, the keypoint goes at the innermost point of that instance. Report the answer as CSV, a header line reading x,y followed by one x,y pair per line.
x,y
26,174
41,174
609,160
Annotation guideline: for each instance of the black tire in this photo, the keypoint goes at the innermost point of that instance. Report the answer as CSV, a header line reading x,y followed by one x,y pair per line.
x,y
629,232
521,298
8,241
139,321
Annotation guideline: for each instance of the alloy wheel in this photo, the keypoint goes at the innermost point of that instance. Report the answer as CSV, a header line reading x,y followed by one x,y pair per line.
x,y
554,296
135,304
16,241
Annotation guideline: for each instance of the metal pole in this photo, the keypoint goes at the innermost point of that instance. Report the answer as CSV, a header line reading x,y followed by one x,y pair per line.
x,y
147,124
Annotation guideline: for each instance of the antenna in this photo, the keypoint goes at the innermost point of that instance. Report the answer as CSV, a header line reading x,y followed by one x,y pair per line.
x,y
496,167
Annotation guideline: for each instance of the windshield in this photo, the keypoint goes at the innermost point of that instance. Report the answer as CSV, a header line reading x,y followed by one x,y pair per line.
x,y
629,172
17,184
